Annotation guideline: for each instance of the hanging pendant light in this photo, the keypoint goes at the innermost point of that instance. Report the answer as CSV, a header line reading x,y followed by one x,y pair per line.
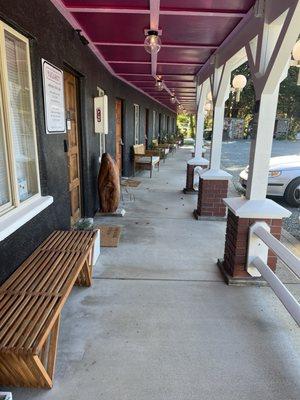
x,y
152,42
159,84
173,99
296,57
238,83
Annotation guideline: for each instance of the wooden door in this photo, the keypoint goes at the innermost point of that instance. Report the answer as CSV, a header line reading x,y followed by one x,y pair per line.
x,y
73,150
119,138
146,127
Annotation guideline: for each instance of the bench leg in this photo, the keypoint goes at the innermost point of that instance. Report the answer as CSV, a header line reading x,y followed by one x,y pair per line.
x,y
85,275
53,348
31,370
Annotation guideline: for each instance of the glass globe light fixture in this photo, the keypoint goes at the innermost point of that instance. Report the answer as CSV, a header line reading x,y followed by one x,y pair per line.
x,y
208,106
238,83
159,84
296,57
152,42
173,99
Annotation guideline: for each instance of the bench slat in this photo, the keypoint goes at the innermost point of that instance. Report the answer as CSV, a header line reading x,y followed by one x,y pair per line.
x,y
74,241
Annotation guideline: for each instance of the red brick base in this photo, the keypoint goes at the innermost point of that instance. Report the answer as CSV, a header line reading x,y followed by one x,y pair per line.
x,y
190,177
236,244
210,198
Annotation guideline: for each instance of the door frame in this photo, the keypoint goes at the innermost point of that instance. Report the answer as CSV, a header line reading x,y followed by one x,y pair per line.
x,y
122,133
82,150
146,132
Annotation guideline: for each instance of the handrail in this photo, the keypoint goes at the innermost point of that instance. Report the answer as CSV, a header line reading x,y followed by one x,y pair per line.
x,y
284,295
291,261
260,230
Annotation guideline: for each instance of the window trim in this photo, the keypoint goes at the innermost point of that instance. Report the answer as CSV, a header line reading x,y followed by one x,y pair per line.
x,y
16,203
19,216
136,108
4,208
154,124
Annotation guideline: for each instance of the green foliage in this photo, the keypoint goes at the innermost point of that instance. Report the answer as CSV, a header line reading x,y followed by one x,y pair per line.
x,y
186,125
288,101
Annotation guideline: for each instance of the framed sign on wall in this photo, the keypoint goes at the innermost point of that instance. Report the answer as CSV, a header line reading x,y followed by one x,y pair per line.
x,y
101,114
54,101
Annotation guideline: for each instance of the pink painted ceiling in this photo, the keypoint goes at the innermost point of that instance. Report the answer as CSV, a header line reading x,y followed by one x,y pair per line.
x,y
191,31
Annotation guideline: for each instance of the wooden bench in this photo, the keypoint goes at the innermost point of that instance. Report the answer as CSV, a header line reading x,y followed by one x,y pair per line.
x,y
31,301
163,148
145,159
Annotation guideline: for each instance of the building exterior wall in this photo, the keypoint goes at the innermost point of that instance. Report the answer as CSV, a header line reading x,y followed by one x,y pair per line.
x,y
52,38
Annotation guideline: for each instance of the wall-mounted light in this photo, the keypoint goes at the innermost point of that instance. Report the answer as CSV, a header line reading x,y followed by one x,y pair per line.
x,y
82,38
152,42
238,83
159,84
173,99
295,62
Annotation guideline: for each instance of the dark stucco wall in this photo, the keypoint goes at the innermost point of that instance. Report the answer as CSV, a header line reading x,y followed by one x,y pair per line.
x,y
53,39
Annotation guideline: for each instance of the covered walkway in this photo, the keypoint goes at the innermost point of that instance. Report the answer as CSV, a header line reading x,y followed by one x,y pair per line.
x,y
159,322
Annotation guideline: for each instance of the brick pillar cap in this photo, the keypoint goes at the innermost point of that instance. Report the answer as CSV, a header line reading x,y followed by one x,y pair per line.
x,y
265,209
198,161
216,175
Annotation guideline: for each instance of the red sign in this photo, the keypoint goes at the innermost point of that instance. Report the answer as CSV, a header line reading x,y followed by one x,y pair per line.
x,y
98,113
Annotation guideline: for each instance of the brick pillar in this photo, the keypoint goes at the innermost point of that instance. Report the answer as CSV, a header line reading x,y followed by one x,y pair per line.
x,y
210,198
236,245
190,177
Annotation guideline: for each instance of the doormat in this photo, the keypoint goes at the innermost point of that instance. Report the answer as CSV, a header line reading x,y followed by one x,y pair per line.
x,y
109,235
130,182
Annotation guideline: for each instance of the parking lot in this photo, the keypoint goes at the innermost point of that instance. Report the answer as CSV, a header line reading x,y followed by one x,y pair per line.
x,y
235,156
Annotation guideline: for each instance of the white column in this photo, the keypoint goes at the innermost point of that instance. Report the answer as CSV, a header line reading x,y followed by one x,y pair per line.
x,y
261,147
268,57
199,133
202,91
217,138
220,91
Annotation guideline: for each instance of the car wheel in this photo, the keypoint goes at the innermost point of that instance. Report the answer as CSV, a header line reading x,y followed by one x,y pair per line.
x,y
292,193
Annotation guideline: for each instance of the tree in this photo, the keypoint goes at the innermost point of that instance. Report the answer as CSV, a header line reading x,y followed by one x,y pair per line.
x,y
288,101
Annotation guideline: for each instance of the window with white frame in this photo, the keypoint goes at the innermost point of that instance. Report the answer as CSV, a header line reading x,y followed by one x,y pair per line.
x,y
19,175
136,123
154,124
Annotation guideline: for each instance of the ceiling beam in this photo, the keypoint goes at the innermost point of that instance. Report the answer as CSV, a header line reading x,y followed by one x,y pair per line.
x,y
165,45
149,62
144,74
166,80
142,11
154,21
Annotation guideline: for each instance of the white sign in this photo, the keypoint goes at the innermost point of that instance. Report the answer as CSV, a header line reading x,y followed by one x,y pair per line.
x,y
101,114
53,81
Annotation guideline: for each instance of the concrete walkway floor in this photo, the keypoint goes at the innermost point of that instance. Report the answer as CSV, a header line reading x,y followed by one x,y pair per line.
x,y
160,324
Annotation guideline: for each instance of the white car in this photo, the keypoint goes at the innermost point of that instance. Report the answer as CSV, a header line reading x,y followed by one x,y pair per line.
x,y
284,178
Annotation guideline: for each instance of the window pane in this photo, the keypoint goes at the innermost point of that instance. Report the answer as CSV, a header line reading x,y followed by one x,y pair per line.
x,y
4,188
21,116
